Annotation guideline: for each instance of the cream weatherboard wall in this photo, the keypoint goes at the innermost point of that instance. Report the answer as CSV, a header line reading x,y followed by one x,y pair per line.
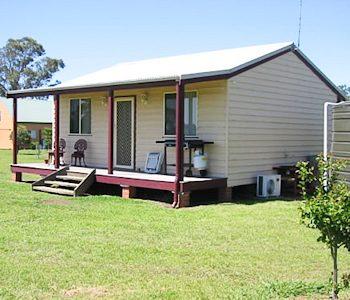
x,y
275,117
149,125
96,153
267,116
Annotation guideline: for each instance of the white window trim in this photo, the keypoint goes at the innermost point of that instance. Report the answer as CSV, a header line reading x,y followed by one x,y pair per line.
x,y
79,114
173,135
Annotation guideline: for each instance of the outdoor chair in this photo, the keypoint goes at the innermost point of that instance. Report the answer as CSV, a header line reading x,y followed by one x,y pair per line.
x,y
51,153
79,153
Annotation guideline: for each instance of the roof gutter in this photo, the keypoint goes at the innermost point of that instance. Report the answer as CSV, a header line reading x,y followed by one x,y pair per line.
x,y
92,88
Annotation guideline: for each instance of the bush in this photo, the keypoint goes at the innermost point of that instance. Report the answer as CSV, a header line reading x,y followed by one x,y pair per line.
x,y
47,134
23,138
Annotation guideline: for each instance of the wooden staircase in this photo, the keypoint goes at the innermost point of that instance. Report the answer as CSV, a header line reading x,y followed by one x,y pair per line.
x,y
66,182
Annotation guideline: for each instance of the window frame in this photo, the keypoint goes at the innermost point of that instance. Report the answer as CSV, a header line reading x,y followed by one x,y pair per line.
x,y
196,123
79,114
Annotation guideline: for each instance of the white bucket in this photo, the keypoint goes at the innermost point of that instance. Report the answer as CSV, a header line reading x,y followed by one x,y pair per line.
x,y
200,161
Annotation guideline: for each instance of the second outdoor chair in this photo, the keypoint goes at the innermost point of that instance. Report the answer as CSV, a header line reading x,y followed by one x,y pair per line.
x,y
79,153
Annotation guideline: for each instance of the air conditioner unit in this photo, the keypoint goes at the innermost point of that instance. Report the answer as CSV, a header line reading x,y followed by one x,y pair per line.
x,y
268,186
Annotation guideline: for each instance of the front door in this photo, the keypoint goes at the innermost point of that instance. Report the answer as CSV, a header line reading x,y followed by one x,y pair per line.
x,y
124,132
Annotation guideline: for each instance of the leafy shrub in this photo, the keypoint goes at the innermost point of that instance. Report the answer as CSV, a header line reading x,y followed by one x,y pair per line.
x,y
47,134
327,207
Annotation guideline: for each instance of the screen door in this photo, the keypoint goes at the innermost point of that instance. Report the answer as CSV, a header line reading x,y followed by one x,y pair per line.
x,y
124,132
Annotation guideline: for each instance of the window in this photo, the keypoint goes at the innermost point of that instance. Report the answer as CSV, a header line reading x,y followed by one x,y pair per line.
x,y
80,116
32,134
190,113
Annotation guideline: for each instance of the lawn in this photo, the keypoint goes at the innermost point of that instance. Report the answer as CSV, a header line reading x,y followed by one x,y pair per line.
x,y
109,247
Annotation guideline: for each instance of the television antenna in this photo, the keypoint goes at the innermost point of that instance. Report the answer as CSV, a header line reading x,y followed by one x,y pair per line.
x,y
299,31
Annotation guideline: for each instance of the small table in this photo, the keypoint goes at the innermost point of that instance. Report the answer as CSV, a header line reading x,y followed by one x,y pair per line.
x,y
52,155
288,176
190,144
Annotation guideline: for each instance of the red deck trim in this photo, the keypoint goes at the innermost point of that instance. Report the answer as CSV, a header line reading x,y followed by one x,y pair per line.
x,y
29,170
110,142
138,183
57,130
179,137
141,183
203,185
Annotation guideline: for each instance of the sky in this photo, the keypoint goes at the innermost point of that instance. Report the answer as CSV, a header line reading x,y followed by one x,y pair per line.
x,y
90,35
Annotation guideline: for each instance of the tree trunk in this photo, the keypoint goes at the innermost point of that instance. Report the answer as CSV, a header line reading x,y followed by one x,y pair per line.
x,y
334,251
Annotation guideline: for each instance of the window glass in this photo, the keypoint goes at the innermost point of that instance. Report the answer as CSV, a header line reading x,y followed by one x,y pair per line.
x,y
85,111
32,134
170,111
74,116
80,116
190,113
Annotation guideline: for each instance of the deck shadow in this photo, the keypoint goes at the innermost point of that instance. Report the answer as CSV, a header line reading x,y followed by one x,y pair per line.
x,y
240,195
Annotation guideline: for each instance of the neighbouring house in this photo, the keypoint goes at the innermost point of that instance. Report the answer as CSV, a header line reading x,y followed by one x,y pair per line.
x,y
339,140
253,108
34,115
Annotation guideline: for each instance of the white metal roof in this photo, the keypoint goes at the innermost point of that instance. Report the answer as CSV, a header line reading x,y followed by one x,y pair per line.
x,y
181,66
190,66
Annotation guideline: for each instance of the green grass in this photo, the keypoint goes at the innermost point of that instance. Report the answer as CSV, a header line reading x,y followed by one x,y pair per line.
x,y
109,247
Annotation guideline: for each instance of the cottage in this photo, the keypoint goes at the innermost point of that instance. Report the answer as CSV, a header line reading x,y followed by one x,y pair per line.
x,y
34,115
253,108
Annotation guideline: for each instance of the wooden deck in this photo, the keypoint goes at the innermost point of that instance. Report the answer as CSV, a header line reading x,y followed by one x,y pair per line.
x,y
125,178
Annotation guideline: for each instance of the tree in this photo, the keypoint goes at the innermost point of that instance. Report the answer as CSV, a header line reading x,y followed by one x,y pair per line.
x,y
47,134
346,90
23,138
23,64
327,207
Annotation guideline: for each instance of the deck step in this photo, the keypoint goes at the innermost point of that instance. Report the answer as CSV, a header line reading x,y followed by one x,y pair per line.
x,y
61,183
53,190
76,174
66,182
70,177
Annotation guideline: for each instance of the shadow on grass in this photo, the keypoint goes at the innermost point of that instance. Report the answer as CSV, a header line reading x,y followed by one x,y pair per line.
x,y
160,197
29,181
240,195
